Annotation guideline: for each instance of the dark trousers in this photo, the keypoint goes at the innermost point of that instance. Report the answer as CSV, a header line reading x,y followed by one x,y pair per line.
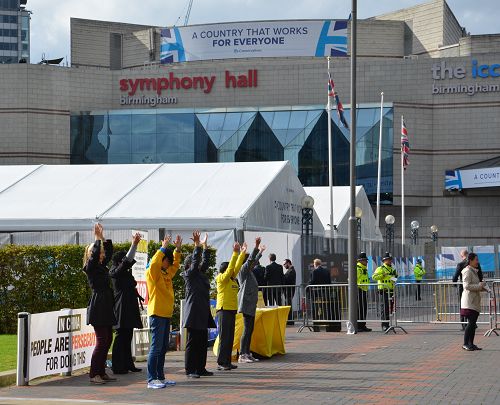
x,y
417,296
362,306
289,293
226,336
104,337
470,329
274,296
196,351
246,337
122,350
385,303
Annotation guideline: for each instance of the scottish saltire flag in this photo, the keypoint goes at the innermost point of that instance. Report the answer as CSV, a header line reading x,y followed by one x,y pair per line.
x,y
405,145
453,180
171,47
331,86
340,111
332,40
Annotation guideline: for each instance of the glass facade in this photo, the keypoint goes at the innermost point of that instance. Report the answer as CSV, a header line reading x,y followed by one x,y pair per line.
x,y
14,32
298,134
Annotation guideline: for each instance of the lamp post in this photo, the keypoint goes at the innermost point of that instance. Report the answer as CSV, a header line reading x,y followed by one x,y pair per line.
x,y
434,233
307,203
389,232
358,212
414,232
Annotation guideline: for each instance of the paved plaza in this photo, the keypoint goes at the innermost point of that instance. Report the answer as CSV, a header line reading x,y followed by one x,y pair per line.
x,y
425,366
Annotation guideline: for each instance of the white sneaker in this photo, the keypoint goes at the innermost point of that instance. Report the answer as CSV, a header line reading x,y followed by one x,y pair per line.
x,y
167,382
156,385
244,359
253,358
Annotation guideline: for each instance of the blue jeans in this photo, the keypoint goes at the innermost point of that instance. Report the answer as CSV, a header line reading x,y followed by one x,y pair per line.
x,y
160,332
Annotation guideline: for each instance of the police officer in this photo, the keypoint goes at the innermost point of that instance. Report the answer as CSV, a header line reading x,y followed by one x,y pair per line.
x,y
418,272
363,281
386,277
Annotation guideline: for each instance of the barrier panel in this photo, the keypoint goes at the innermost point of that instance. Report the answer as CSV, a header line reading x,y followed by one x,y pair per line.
x,y
285,295
494,308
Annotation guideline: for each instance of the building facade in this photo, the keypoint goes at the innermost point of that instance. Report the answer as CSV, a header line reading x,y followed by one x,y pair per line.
x,y
118,104
14,31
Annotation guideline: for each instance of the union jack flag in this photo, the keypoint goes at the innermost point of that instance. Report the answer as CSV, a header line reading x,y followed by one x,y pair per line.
x,y
338,104
331,86
405,145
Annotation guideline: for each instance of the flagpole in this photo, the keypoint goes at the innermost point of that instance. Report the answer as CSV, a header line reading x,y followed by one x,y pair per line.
x,y
330,168
402,196
379,171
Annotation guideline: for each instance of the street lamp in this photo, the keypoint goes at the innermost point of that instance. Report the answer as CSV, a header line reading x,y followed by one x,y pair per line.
x,y
358,213
307,203
414,225
434,233
389,231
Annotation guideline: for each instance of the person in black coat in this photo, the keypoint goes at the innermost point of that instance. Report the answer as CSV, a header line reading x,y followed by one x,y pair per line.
x,y
458,276
100,312
320,296
126,308
274,277
290,278
197,317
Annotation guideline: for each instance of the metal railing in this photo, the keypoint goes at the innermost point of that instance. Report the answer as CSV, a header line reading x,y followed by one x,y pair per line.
x,y
292,295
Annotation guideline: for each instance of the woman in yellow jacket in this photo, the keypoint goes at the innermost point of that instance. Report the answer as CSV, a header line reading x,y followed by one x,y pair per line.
x,y
162,269
227,304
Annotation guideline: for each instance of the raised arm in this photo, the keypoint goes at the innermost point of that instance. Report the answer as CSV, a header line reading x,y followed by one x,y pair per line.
x,y
174,268
240,260
206,254
228,274
154,269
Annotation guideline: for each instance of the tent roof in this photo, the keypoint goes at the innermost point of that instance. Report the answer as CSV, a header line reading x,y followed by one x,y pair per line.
x,y
341,203
208,196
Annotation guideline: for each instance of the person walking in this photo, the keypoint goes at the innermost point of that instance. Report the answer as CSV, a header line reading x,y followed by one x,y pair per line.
x,y
363,281
100,312
418,272
197,317
227,304
457,277
320,298
386,276
159,274
471,300
126,308
247,301
274,277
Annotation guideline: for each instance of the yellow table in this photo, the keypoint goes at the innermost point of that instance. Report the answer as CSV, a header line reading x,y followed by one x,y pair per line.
x,y
268,337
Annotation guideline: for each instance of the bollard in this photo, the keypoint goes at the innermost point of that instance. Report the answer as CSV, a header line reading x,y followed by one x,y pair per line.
x,y
22,348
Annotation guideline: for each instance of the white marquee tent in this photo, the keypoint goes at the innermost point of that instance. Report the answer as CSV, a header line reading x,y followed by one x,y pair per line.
x,y
250,196
370,231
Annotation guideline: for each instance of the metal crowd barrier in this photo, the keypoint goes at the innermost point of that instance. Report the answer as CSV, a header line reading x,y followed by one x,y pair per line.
x,y
494,308
292,295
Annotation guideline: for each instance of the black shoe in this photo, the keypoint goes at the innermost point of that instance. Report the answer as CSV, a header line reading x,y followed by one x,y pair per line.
x,y
223,368
233,366
468,348
476,348
192,375
205,373
120,371
134,369
365,329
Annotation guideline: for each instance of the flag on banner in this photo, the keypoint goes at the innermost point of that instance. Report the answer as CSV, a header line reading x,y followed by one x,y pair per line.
x,y
405,145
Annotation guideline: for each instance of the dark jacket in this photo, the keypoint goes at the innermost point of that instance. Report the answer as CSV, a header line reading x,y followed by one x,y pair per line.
x,y
259,272
290,276
248,293
274,274
126,296
196,311
320,276
458,274
100,308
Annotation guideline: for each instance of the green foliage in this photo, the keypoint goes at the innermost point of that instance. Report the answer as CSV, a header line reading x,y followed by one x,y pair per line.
x,y
8,352
38,279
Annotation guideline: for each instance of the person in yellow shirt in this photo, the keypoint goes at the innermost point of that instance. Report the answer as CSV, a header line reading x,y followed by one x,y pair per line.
x,y
162,269
227,304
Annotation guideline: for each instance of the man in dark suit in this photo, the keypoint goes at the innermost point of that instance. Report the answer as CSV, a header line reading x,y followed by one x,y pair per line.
x,y
320,296
290,278
458,276
274,277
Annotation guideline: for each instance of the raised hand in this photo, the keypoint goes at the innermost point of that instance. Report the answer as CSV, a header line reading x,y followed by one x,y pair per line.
x,y
196,238
136,238
262,248
257,241
244,247
204,241
236,247
178,243
166,241
98,231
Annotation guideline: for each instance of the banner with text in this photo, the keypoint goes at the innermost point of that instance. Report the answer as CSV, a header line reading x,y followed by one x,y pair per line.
x,y
139,268
254,39
474,178
59,341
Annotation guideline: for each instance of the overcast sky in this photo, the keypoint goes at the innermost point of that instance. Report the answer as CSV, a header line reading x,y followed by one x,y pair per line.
x,y
50,20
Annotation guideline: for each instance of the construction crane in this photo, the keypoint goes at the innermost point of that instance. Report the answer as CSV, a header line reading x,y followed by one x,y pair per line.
x,y
188,12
